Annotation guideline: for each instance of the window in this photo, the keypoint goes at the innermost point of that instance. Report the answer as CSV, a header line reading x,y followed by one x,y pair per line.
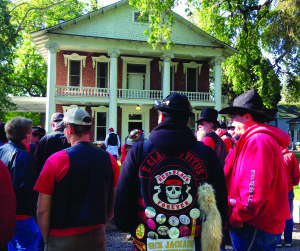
x,y
192,71
173,70
191,80
102,75
140,19
101,123
135,122
74,74
75,63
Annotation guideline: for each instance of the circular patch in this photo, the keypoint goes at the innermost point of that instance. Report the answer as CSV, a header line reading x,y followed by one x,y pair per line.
x,y
152,235
151,224
173,221
150,212
195,213
184,231
163,230
174,232
161,218
140,231
184,219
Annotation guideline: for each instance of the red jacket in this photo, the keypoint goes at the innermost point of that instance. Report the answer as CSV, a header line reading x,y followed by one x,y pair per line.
x,y
292,169
7,206
256,180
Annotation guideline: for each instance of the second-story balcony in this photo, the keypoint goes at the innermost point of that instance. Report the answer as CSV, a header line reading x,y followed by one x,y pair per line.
x,y
72,91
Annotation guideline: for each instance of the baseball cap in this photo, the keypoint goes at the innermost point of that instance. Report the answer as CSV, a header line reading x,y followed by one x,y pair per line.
x,y
38,130
174,102
77,116
57,117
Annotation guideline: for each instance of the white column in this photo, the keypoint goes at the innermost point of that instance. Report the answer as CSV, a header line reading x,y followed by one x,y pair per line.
x,y
218,84
51,84
166,79
113,77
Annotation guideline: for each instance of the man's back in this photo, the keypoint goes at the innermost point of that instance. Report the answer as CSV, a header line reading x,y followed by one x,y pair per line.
x,y
49,144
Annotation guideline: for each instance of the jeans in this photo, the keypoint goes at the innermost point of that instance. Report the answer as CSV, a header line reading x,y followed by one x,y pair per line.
x,y
26,234
249,238
289,224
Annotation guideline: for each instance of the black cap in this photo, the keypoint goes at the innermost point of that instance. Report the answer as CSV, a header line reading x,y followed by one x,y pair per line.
x,y
222,124
174,103
210,115
38,130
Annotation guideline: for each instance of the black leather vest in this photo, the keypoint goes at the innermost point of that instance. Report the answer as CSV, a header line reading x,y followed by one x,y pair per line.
x,y
82,197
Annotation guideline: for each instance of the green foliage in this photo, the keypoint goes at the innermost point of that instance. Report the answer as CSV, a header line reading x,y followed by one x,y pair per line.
x,y
35,117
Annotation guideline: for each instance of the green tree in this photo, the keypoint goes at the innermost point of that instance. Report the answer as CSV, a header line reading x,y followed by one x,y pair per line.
x,y
248,26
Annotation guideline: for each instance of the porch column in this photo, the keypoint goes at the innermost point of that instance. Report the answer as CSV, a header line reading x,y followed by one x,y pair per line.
x,y
51,83
113,78
218,84
166,75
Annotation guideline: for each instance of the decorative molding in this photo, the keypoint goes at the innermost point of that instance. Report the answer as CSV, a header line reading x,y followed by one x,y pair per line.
x,y
101,59
219,60
113,53
68,107
192,65
52,47
74,56
172,64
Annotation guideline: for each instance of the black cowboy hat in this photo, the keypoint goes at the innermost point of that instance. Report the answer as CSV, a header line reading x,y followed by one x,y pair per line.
x,y
248,102
209,115
174,102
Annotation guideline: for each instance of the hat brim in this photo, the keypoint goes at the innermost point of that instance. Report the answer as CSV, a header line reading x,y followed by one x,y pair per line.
x,y
208,120
237,109
167,109
131,143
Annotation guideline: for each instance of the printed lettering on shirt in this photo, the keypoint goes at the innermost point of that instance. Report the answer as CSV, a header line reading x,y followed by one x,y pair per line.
x,y
251,188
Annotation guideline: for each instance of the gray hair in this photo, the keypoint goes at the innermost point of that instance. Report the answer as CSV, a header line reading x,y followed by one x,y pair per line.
x,y
17,128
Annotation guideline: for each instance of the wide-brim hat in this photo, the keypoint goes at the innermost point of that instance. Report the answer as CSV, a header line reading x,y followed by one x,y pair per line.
x,y
209,115
135,136
248,102
175,103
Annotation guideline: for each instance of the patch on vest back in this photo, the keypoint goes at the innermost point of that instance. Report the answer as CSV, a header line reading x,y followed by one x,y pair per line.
x,y
172,182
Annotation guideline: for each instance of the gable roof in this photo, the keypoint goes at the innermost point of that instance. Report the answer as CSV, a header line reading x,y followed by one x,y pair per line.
x,y
289,111
114,22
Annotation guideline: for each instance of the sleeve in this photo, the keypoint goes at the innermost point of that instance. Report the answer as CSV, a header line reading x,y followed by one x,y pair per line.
x,y
55,168
118,141
106,139
296,171
228,144
123,154
208,141
116,169
7,206
127,191
257,175
217,180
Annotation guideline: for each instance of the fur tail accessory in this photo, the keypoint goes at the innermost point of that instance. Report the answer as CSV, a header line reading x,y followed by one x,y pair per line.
x,y
211,234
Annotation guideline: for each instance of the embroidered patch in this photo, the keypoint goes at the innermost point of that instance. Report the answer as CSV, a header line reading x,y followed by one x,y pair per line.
x,y
140,231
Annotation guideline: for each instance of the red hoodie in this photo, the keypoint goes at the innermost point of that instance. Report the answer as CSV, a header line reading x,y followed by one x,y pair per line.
x,y
292,169
256,180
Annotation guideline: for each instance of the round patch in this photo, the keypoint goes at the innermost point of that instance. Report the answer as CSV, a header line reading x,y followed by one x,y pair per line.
x,y
174,232
173,221
140,231
184,231
152,235
161,218
151,224
184,219
150,212
195,213
163,230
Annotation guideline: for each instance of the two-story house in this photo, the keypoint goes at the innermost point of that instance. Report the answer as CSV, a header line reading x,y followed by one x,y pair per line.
x,y
102,62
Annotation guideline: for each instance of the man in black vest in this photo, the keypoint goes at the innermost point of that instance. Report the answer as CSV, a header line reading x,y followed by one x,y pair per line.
x,y
157,194
207,125
76,190
112,142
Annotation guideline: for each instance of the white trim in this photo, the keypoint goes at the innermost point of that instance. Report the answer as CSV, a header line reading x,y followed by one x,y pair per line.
x,y
95,110
134,60
192,65
173,64
102,59
74,57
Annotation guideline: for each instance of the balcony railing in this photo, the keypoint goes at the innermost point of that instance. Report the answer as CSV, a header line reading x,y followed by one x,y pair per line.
x,y
131,94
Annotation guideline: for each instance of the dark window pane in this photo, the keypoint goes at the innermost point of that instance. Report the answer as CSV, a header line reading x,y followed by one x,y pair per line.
x,y
102,75
171,79
135,125
135,116
143,19
191,79
101,133
74,80
74,67
101,118
136,68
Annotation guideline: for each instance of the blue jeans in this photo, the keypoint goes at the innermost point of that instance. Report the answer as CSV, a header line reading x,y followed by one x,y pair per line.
x,y
26,235
249,238
289,224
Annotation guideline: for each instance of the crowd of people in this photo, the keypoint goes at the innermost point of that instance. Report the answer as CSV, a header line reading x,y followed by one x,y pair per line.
x,y
226,184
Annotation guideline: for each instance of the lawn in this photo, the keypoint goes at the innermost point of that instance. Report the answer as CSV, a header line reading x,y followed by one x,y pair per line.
x,y
297,192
